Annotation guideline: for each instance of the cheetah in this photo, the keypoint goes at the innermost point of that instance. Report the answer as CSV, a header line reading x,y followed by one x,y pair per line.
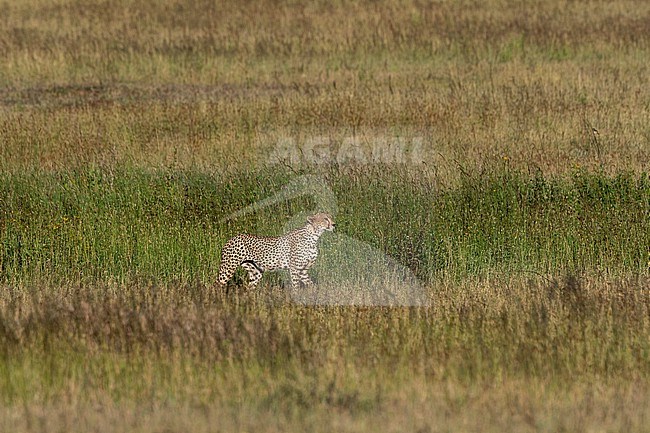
x,y
295,251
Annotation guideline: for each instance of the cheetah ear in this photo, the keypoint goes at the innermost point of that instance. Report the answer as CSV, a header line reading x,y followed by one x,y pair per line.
x,y
310,220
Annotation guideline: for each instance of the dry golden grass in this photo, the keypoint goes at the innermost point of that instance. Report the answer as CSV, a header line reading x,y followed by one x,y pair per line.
x,y
488,355
213,85
508,406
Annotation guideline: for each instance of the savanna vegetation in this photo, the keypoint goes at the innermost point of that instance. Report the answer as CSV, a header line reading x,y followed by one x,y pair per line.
x,y
498,150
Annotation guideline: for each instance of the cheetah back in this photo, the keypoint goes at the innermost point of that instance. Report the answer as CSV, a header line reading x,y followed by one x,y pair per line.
x,y
266,252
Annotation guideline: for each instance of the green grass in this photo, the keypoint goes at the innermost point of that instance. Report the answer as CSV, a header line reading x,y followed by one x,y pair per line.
x,y
95,225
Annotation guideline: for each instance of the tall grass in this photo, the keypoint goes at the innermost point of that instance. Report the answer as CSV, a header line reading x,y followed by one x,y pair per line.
x,y
231,41
92,225
200,86
130,130
186,347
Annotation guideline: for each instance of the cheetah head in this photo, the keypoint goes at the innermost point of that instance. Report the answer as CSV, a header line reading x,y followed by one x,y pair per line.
x,y
321,222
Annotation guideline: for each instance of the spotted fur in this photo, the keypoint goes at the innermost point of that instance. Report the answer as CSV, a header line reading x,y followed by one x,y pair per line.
x,y
296,251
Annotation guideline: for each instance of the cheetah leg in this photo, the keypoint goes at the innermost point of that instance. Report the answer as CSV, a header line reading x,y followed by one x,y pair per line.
x,y
300,277
226,271
304,278
295,279
254,273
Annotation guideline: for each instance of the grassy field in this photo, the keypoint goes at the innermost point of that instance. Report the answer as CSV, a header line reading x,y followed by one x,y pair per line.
x,y
497,151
